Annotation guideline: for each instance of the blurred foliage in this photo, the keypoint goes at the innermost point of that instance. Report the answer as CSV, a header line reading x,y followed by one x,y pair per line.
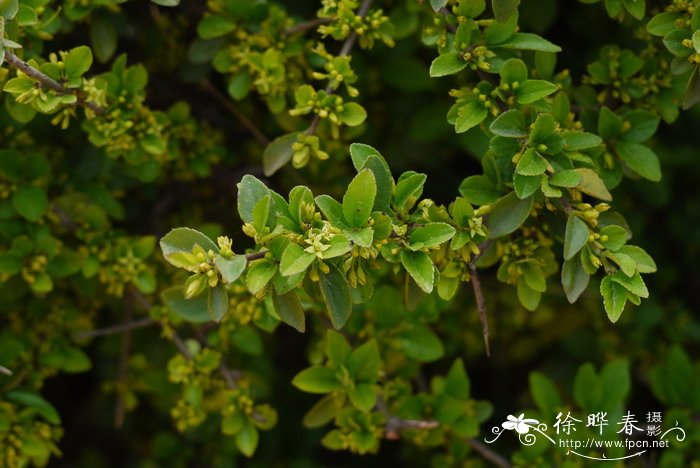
x,y
122,120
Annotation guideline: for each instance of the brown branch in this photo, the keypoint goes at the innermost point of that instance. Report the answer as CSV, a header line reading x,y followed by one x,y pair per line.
x,y
395,425
566,205
479,296
303,27
488,454
446,13
48,82
256,255
113,330
228,104
345,49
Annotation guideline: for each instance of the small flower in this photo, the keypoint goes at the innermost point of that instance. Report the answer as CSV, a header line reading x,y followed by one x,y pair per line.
x,y
521,425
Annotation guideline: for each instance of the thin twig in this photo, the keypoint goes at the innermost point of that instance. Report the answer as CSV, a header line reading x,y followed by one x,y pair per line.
x,y
303,27
255,255
345,49
488,454
394,424
446,13
479,296
235,111
566,205
48,82
123,368
181,346
113,330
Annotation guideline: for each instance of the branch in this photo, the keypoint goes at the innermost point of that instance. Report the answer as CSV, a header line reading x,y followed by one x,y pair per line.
x,y
479,296
395,425
255,255
303,27
48,82
123,368
233,109
113,330
488,454
344,50
566,205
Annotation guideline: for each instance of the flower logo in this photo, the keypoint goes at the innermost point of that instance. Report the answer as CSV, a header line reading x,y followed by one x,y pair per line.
x,y
520,424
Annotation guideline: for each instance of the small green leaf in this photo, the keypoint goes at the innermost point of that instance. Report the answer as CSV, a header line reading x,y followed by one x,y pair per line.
x,y
533,275
31,202
278,153
358,200
289,309
510,124
78,61
353,114
420,267
591,184
321,413
409,188
533,90
663,23
479,190
640,159
635,7
643,125
421,344
528,41
447,64
614,298
527,296
457,383
192,310
437,5
32,400
384,180
259,274
430,235
615,237
364,362
166,3
250,191
634,284
316,379
503,10
217,302
575,237
247,439
508,214
692,89
574,278
339,245
230,269
332,210
8,9
545,393
575,140
363,397
568,178
214,26
645,264
183,240
531,163
295,260
470,115
336,295
103,36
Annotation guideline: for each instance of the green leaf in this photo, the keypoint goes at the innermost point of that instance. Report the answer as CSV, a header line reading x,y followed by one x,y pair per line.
x,y
183,240
634,284
259,274
103,36
513,70
479,190
568,178
531,163
457,383
640,159
470,115
360,153
31,202
575,140
332,210
643,125
336,295
533,90
362,237
339,245
526,185
574,278
616,237
510,124
353,114
289,309
437,5
217,302
503,10
663,23
527,296
364,362
420,267
384,180
192,310
421,344
615,378
447,64
247,439
278,153
508,214
321,413
591,184
635,7
250,191
78,61
609,124
544,393
430,235
214,26
363,397
674,42
575,237
533,275
409,188
34,401
692,90
528,41
8,9
645,264
588,389
614,298
230,269
316,379
166,3
239,86
295,260
358,200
